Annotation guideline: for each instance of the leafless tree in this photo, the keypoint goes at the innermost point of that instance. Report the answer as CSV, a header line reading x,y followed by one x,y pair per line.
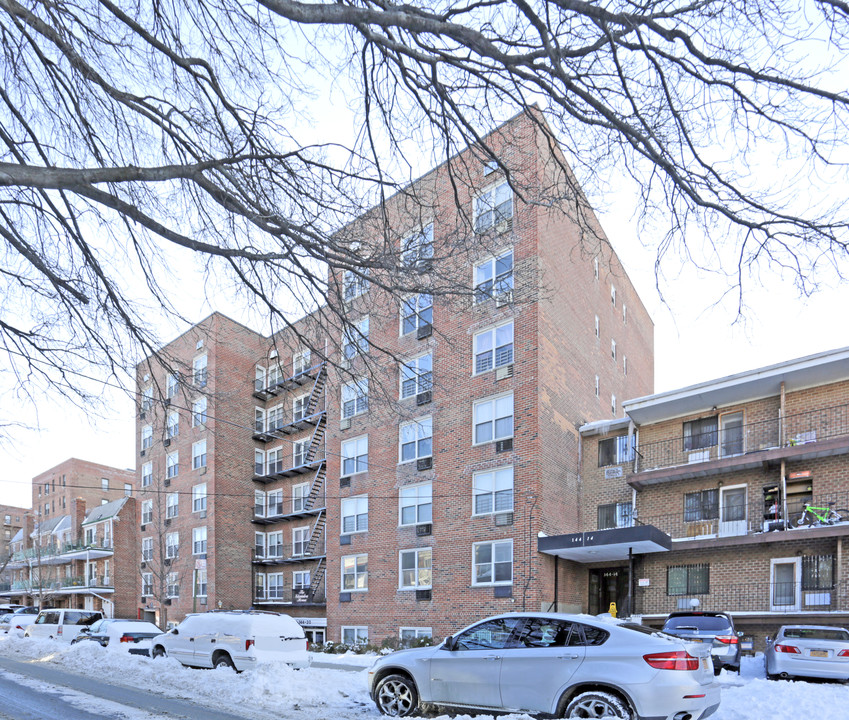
x,y
142,136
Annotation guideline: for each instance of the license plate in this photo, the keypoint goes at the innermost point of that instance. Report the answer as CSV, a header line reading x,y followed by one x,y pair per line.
x,y
819,653
705,663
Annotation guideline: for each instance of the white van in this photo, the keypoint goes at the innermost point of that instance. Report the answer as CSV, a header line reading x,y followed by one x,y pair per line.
x,y
61,623
234,639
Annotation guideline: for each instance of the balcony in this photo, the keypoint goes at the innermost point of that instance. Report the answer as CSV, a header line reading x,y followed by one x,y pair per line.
x,y
263,391
277,428
814,434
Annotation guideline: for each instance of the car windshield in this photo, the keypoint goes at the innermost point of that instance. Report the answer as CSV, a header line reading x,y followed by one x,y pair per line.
x,y
701,623
816,634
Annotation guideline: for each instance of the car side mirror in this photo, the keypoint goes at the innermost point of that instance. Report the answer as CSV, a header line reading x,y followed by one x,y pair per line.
x,y
174,631
450,643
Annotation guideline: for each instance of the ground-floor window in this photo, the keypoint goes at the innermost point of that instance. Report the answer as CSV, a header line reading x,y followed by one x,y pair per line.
x,y
409,635
688,579
354,634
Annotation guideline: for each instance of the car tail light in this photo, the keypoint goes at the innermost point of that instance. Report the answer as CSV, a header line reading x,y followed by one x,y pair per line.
x,y
249,643
728,639
126,638
843,653
680,660
792,649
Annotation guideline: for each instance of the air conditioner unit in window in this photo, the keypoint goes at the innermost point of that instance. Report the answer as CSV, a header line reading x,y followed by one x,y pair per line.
x,y
504,225
424,331
168,601
424,463
143,599
202,601
203,514
504,298
504,372
423,595
144,565
272,354
143,527
424,530
344,482
142,453
167,402
142,415
344,423
166,442
167,561
503,445
423,398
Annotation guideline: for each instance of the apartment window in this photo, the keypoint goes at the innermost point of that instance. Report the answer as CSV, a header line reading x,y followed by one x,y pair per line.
x,y
7,519
300,449
172,465
199,370
259,545
199,541
416,504
274,544
146,437
199,412
613,349
147,512
702,505
416,440
597,386
624,364
613,404
104,484
173,585
416,567
492,563
355,341
416,376
170,385
355,572
275,418
818,572
355,455
259,378
493,207
275,373
613,295
409,635
200,583
299,408
688,579
172,427
199,498
199,454
616,450
147,584
595,268
147,474
700,433
493,491
300,494
259,586
172,545
300,541
493,419
354,514
259,462
615,515
276,586
128,490
416,312
259,503
354,398
301,361
300,579
597,327
417,248
172,505
147,399
274,461
354,284
493,348
494,277
624,314
354,635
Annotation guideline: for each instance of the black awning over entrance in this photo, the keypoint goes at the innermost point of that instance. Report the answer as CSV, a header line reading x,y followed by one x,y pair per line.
x,y
605,545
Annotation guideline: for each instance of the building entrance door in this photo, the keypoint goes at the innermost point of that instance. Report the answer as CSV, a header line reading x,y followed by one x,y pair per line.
x,y
606,586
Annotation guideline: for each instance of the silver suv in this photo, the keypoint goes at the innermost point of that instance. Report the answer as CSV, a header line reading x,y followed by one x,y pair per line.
x,y
712,628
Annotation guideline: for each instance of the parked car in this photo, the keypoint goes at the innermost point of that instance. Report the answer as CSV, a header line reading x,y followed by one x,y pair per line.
x,y
235,639
713,628
61,623
134,635
18,621
816,651
571,666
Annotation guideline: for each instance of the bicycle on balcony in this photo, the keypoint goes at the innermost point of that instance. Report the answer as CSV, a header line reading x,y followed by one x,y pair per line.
x,y
818,516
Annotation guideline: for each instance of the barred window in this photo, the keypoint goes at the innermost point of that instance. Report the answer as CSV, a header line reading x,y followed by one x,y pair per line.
x,y
615,515
700,434
817,572
688,579
615,450
703,505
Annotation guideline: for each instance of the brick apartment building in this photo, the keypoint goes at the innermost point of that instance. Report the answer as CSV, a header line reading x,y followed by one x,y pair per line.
x,y
54,489
706,486
11,522
397,493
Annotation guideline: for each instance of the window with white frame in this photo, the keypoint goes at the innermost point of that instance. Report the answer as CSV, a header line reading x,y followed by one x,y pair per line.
x,y
493,491
354,635
259,378
624,314
199,541
613,404
275,418
147,474
493,419
624,364
301,361
147,549
354,284
354,572
172,545
275,373
300,494
355,341
200,583
354,398
199,498
300,541
493,207
493,348
128,490
171,385
409,635
354,514
146,437
172,505
199,412
274,544
199,455
172,465
416,504
199,370
415,440
595,268
416,312
147,398
259,503
299,408
300,449
146,512
613,349
172,583
597,386
274,503
416,376
259,586
355,455
259,462
147,584
274,461
597,327
259,420
259,545
494,277
300,579
276,586
492,563
172,427
417,248
415,568
613,295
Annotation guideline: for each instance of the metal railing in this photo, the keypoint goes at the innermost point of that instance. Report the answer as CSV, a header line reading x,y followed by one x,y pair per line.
x,y
289,596
797,429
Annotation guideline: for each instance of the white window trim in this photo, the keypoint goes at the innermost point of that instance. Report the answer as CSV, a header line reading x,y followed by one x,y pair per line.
x,y
493,258
512,563
416,422
417,314
344,457
491,188
408,588
414,360
342,587
356,629
401,505
342,515
492,399
475,495
494,330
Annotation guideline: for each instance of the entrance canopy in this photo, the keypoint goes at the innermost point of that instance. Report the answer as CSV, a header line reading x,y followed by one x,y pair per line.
x,y
604,545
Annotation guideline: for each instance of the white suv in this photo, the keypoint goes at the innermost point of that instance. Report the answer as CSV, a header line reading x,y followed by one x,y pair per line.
x,y
234,639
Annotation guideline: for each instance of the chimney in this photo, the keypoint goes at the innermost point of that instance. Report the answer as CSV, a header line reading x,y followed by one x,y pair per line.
x,y
77,517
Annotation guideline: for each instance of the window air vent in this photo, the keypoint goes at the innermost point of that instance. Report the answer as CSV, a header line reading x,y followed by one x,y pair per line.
x,y
344,482
423,595
202,601
144,565
167,482
166,442
503,445
143,527
345,597
504,372
142,415
142,453
203,514
504,298
424,398
344,423
424,463
424,530
504,518
167,402
167,522
344,539
424,331
168,601
503,591
167,560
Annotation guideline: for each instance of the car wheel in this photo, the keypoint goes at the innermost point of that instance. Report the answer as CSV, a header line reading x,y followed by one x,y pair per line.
x,y
396,696
222,660
158,652
596,704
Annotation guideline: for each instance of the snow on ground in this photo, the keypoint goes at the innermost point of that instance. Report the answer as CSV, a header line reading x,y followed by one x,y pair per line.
x,y
331,694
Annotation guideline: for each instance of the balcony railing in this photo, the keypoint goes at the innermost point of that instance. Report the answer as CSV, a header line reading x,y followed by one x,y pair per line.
x,y
798,429
289,596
